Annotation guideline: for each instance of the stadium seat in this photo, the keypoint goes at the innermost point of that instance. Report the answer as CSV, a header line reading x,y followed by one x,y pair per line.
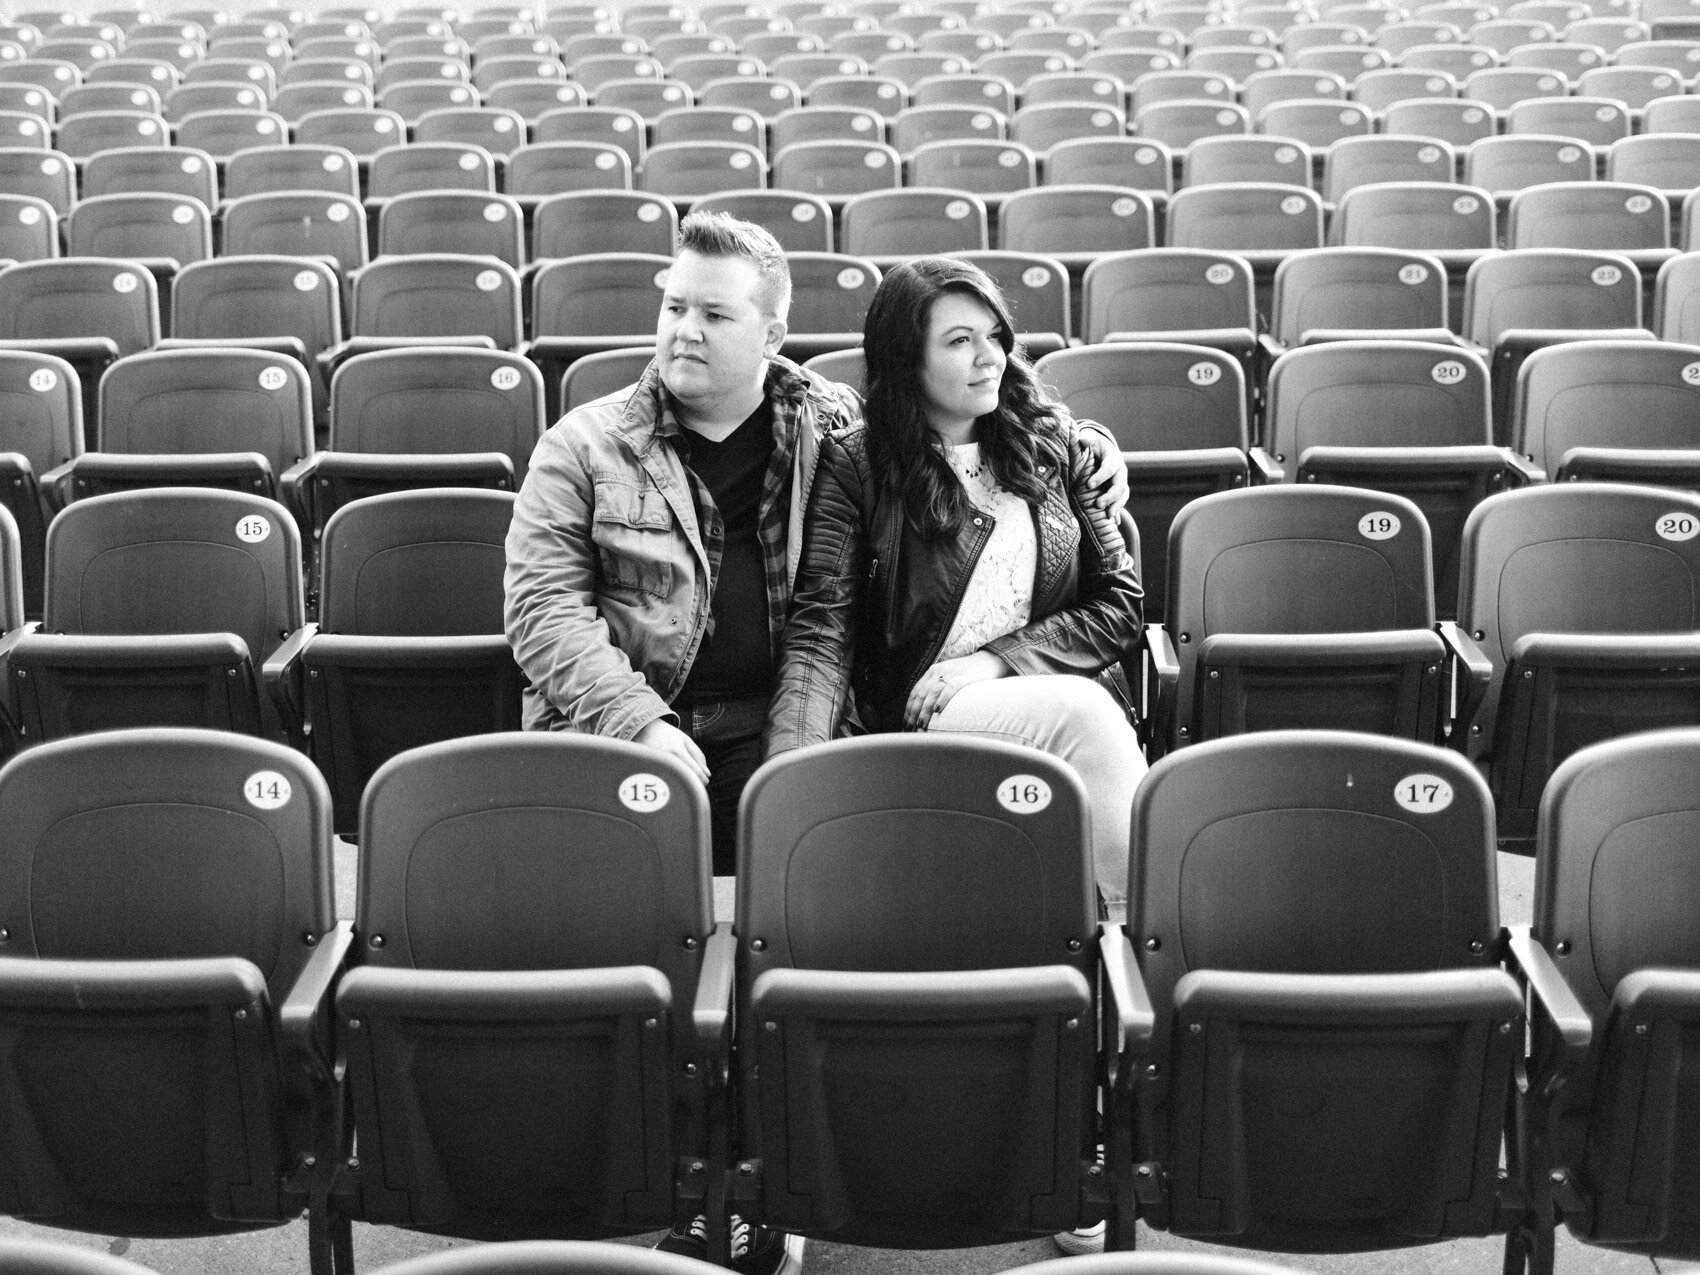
x,y
913,221
801,223
1676,299
439,221
297,224
1634,86
988,169
86,310
1516,302
880,94
361,132
1040,127
584,221
1621,410
1076,223
580,305
1036,288
1666,161
432,299
171,170
1317,122
1507,164
1179,414
266,169
1679,113
1213,161
1376,1003
29,229
1134,162
830,295
1378,90
1611,216
847,852
1329,293
1460,60
916,126
430,416
398,170
685,171
1300,606
1502,87
824,124
1570,61
1596,121
606,372
210,95
1178,124
1399,416
710,124
408,648
1455,224
163,232
846,367
1193,296
1458,121
1611,968
837,170
1384,157
41,427
222,133
229,418
602,1012
530,99
293,101
160,606
496,129
80,136
556,168
1583,596
172,951
42,174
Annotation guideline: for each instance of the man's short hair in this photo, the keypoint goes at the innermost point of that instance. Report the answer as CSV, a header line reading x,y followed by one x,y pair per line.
x,y
720,234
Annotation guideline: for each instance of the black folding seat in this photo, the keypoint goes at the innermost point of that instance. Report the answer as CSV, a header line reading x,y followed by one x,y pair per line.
x,y
551,994
172,945
428,416
1622,410
86,310
1583,598
869,960
1318,1045
1614,975
160,606
41,427
1400,416
1300,606
229,418
602,301
1179,414
408,648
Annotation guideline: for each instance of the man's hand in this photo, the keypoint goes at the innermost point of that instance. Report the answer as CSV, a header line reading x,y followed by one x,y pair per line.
x,y
664,737
939,684
1109,480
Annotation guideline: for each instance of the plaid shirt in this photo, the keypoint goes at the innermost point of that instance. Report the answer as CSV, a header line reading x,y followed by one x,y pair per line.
x,y
785,388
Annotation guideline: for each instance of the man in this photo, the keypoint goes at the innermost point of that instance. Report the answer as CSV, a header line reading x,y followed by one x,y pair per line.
x,y
655,540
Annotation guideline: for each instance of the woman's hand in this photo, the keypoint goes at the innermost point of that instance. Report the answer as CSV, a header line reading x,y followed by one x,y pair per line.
x,y
939,684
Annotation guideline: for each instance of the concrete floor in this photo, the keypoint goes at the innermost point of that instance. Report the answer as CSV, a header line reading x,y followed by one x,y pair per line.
x,y
283,1250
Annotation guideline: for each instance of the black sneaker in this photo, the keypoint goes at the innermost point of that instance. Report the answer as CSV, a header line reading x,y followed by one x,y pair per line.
x,y
759,1250
687,1239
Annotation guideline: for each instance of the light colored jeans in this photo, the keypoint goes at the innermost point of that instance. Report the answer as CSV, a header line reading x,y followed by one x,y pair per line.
x,y
1076,720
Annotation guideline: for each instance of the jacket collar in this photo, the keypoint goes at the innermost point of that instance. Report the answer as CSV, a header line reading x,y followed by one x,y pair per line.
x,y
649,412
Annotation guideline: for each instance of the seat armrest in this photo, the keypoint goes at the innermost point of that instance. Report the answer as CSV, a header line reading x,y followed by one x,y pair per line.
x,y
1670,467
7,642
55,484
1522,471
281,675
1264,469
1166,669
1472,671
712,1011
1135,1020
1552,994
292,487
303,1023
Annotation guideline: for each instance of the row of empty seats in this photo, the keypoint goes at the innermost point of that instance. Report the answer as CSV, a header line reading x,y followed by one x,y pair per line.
x,y
1314,1023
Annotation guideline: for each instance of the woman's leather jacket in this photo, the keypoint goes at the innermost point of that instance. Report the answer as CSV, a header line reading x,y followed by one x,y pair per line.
x,y
874,600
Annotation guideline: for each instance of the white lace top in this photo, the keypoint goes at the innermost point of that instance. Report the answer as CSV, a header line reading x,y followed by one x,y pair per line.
x,y
999,597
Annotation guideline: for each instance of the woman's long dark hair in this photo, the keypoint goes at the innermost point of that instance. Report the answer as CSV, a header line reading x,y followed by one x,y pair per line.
x,y
1022,433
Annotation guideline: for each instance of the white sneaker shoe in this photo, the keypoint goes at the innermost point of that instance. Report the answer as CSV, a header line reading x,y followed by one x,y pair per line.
x,y
1086,1239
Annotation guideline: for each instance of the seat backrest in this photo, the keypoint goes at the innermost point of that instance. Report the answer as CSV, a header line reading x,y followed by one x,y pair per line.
x,y
1597,121
1245,215
1459,121
172,170
1605,394
1384,157
415,563
438,399
29,228
1549,288
1076,219
1668,161
986,168
1166,290
176,560
396,170
49,175
1234,158
601,294
830,292
1676,299
1310,852
842,873
913,220
453,221
1153,395
80,297
297,224
582,221
188,401
41,408
140,226
167,843
438,294
701,168
1376,394
303,166
1614,862
1432,216
536,851
1576,558
1356,288
258,296
494,128
362,131
1614,216
222,133
11,573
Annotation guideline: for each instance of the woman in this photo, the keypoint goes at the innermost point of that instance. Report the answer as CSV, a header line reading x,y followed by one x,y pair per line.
x,y
954,575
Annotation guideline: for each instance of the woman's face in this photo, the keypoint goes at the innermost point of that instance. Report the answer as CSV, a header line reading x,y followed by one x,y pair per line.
x,y
962,364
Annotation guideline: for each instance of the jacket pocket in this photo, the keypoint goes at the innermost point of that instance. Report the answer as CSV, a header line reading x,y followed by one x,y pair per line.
x,y
637,547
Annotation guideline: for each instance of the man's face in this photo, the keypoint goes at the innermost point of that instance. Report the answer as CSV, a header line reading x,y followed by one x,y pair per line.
x,y
712,339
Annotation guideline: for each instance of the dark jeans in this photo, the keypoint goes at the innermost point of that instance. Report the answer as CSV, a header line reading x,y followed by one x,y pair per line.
x,y
729,734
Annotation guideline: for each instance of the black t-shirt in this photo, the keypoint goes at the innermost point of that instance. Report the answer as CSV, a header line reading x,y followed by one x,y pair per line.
x,y
736,657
